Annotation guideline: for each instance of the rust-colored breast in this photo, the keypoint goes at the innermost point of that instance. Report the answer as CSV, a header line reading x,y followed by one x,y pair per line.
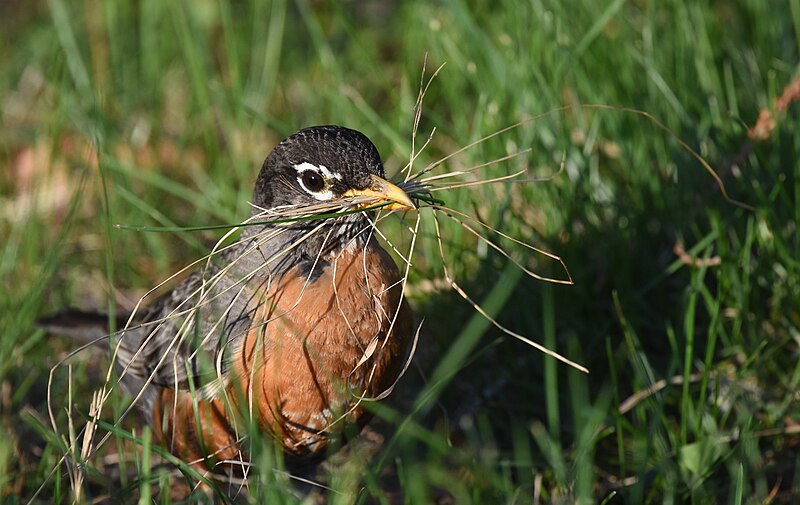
x,y
315,347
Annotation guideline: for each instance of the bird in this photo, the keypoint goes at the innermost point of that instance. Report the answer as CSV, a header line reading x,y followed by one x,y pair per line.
x,y
293,327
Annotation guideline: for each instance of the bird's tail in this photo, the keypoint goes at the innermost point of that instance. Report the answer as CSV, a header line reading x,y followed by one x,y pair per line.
x,y
81,326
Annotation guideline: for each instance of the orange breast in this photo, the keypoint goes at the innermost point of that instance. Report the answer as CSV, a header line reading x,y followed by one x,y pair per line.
x,y
315,347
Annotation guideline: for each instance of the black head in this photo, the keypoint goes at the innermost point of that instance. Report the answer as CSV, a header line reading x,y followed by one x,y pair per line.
x,y
323,169
318,164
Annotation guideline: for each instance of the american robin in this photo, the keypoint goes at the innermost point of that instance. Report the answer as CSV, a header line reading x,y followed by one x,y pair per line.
x,y
289,329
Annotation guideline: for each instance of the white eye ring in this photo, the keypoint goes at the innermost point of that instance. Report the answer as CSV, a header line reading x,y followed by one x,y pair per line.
x,y
323,194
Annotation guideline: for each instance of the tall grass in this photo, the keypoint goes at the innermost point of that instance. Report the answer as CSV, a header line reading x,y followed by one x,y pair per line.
x,y
159,114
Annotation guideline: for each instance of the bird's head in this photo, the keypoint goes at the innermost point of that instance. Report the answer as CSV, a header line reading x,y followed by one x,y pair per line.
x,y
326,165
315,179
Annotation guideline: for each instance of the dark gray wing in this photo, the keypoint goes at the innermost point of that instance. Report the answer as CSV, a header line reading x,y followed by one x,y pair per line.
x,y
183,339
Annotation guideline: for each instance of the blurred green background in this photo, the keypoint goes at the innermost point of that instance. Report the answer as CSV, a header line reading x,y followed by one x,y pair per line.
x,y
685,307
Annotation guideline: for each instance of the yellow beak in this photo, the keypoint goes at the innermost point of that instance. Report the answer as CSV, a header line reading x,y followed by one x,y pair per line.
x,y
383,191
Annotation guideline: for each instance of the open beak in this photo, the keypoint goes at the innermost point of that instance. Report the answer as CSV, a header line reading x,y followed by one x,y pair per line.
x,y
383,191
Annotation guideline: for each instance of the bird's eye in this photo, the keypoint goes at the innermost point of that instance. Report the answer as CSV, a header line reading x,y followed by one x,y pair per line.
x,y
316,180
312,181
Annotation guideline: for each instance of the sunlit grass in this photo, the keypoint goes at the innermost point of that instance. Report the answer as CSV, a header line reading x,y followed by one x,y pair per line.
x,y
151,114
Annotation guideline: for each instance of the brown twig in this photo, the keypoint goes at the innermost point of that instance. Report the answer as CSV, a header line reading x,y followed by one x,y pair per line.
x,y
689,260
767,121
